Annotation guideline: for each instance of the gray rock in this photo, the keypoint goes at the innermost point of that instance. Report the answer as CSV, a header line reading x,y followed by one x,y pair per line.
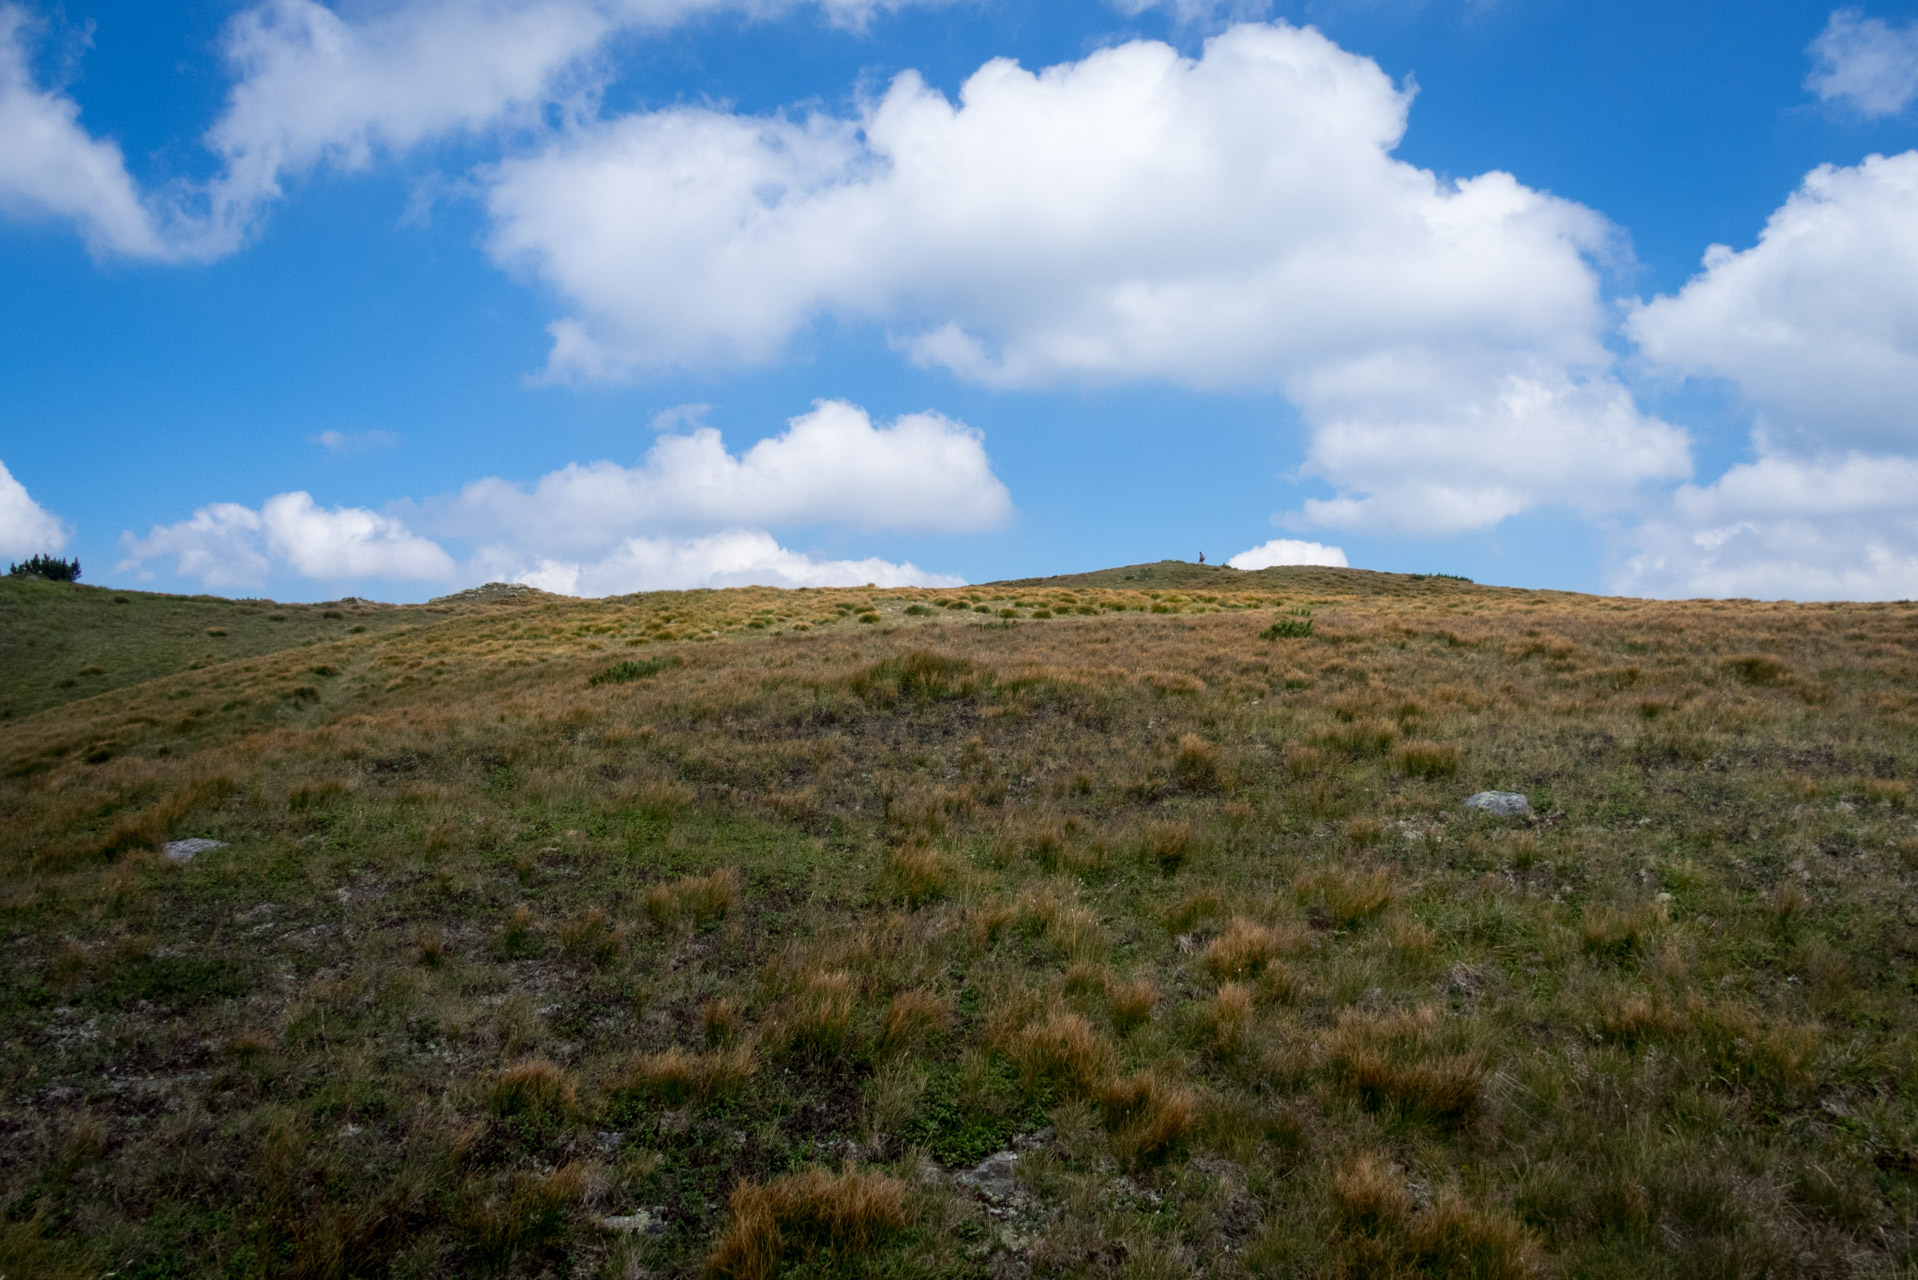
x,y
649,1222
995,1177
1501,804
183,850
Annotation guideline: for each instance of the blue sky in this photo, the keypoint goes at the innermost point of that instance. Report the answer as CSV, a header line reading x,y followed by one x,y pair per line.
x,y
397,296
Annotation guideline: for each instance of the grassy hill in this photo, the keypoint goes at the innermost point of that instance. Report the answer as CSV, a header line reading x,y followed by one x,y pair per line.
x,y
61,641
727,932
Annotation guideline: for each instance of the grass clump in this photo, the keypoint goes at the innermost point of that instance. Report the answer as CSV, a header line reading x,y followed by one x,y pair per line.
x,y
635,669
921,676
813,1217
536,1088
694,900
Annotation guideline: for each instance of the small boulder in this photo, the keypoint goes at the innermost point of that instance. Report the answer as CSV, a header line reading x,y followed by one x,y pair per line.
x,y
183,850
996,1177
1501,804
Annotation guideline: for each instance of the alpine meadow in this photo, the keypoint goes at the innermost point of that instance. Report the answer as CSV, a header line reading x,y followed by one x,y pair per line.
x,y
1123,924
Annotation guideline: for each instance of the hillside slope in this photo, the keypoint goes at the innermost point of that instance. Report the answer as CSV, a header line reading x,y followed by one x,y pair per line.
x,y
728,932
61,641
1182,575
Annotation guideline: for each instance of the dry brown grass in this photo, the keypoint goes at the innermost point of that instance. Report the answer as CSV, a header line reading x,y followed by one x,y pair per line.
x,y
913,1017
1106,875
1227,1018
1150,1117
1063,1046
1246,948
1343,898
1133,1004
809,1212
533,1087
918,874
674,1075
694,900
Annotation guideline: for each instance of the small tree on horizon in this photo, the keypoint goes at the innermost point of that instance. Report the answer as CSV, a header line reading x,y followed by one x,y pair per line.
x,y
48,567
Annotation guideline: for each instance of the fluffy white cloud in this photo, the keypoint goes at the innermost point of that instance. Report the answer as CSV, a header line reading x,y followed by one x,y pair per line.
x,y
1817,324
584,530
1422,461
26,527
1235,220
1865,63
1816,327
1288,551
229,545
732,558
830,466
317,87
1841,527
50,167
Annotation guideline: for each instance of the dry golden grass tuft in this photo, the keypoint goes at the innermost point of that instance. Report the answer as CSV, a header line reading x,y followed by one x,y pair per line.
x,y
1149,1116
674,1075
1063,1046
1197,764
912,1018
810,1213
1133,1004
694,900
918,874
592,937
534,1087
1246,947
1227,1017
1343,897
818,1017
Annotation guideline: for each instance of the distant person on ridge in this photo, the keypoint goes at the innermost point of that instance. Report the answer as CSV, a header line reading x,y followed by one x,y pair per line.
x,y
1202,557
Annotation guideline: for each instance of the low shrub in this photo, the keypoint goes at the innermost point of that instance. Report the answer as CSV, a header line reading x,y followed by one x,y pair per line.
x,y
635,669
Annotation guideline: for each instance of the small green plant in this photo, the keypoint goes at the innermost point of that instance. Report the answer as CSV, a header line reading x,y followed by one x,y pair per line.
x,y
1288,629
645,668
48,567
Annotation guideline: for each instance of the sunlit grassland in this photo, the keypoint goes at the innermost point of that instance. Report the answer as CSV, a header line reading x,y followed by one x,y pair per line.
x,y
727,959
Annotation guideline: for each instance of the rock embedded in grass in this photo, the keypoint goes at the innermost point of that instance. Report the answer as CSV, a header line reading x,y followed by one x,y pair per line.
x,y
183,850
1501,804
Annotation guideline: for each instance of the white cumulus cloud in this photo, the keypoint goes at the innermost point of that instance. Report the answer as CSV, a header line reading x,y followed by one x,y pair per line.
x,y
26,527
1229,221
830,466
1288,551
1816,327
319,86
226,544
1865,63
1839,527
730,558
51,167
691,514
